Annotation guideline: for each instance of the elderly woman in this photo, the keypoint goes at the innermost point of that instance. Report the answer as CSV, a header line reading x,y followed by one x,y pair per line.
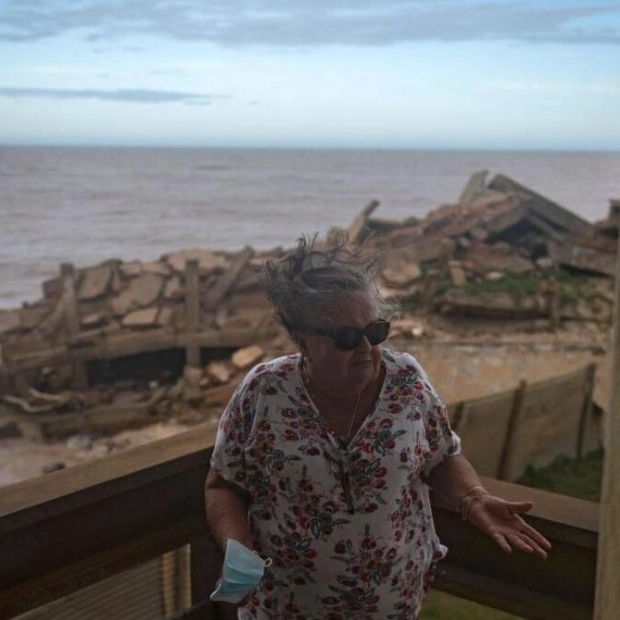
x,y
324,459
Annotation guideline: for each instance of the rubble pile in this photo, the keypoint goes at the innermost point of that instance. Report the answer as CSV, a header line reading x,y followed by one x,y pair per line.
x,y
502,251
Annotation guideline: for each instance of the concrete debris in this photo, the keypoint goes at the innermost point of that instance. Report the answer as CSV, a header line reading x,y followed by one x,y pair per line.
x,y
94,282
502,252
146,317
141,291
218,373
52,467
247,357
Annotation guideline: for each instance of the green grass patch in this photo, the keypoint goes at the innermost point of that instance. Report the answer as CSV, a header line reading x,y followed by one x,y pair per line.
x,y
577,478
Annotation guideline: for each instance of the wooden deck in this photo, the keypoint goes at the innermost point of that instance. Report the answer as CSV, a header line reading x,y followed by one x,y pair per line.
x,y
67,530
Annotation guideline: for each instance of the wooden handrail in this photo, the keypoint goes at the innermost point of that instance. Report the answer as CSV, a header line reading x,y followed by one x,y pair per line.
x,y
71,528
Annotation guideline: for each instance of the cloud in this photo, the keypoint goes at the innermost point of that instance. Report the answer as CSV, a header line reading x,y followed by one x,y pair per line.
x,y
321,22
126,95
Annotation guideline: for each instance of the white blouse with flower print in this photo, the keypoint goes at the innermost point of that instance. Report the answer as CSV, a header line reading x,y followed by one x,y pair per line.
x,y
349,529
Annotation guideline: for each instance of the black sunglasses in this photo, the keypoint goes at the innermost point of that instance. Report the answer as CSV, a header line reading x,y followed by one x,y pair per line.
x,y
349,338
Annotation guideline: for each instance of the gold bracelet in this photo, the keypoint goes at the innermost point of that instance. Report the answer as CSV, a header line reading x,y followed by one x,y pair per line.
x,y
467,501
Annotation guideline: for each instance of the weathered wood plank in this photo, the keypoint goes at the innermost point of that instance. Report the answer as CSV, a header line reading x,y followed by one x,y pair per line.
x,y
135,343
358,225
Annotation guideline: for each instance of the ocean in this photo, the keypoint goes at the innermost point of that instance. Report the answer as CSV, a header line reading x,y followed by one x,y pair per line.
x,y
85,205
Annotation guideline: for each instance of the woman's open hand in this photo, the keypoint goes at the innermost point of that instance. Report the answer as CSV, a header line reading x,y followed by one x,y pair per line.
x,y
502,521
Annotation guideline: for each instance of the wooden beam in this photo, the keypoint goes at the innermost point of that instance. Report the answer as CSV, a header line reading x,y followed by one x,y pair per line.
x,y
607,591
136,343
192,309
72,320
357,227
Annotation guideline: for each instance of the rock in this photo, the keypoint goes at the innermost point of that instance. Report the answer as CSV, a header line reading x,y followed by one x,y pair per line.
x,y
157,267
131,270
96,319
246,357
51,467
402,275
217,373
494,276
545,262
189,416
207,261
174,289
409,328
94,282
457,273
141,292
192,376
146,317
79,442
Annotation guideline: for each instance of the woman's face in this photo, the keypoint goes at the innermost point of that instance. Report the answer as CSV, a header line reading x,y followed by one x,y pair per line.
x,y
337,370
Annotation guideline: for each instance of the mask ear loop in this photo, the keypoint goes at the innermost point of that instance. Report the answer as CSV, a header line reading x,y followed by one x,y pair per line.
x,y
268,562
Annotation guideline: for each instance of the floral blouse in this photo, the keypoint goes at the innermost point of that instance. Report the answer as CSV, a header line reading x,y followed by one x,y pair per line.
x,y
349,528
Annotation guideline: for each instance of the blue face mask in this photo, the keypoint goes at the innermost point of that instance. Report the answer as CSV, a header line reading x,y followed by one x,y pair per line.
x,y
241,573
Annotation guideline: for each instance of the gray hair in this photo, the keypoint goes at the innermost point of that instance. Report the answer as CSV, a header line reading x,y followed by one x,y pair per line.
x,y
314,276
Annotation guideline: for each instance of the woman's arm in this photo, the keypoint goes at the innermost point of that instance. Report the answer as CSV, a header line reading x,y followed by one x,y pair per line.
x,y
458,485
227,511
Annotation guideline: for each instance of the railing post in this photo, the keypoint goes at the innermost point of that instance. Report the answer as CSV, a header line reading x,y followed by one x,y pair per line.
x,y
192,309
607,599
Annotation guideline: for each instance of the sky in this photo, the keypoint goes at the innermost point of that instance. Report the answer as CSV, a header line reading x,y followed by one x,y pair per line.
x,y
389,74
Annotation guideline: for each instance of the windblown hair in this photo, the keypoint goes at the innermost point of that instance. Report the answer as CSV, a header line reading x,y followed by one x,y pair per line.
x,y
315,275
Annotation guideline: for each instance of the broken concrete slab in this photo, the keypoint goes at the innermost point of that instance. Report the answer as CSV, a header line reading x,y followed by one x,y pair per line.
x,y
94,282
246,357
582,258
146,317
475,186
174,288
405,274
140,292
218,373
131,269
157,267
548,210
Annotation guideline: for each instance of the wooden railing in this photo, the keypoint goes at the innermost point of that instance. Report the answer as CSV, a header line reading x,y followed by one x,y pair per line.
x,y
66,530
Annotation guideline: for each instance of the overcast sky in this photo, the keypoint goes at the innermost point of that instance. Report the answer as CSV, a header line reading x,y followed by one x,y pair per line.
x,y
463,74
